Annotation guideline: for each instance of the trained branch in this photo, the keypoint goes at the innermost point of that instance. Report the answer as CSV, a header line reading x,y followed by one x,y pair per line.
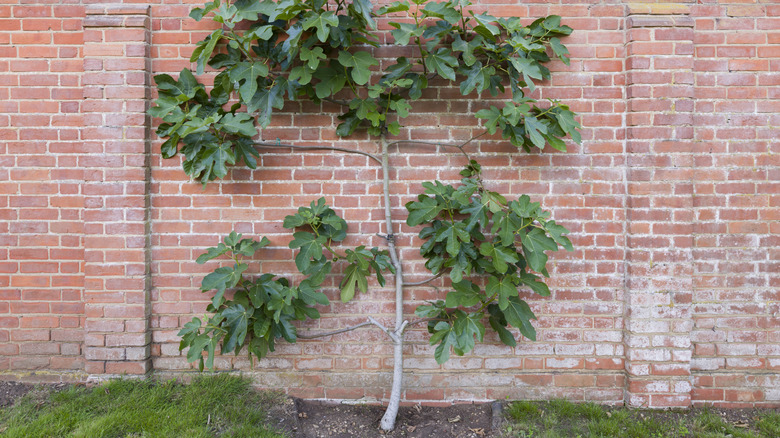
x,y
446,145
270,145
370,321
420,321
418,283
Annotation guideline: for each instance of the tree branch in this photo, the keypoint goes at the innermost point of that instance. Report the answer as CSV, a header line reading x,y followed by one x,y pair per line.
x,y
370,321
334,332
336,101
265,144
446,145
420,321
418,283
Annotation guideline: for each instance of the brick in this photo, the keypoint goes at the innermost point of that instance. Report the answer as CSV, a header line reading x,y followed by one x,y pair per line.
x,y
663,285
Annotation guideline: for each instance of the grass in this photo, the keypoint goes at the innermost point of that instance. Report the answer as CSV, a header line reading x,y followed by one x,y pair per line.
x,y
218,406
563,419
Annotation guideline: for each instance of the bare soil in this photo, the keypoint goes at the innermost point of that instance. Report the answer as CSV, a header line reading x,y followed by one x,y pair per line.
x,y
318,419
10,391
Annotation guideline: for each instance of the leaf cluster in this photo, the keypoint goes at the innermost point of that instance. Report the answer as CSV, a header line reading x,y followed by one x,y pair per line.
x,y
260,311
271,52
263,309
472,231
322,228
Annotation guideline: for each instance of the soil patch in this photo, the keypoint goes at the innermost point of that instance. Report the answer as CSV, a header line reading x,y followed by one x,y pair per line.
x,y
10,391
319,419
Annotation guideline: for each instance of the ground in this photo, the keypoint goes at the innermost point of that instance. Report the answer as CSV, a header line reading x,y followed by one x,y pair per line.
x,y
317,419
297,418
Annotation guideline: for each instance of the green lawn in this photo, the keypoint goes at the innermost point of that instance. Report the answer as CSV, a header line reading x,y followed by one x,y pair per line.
x,y
562,419
218,406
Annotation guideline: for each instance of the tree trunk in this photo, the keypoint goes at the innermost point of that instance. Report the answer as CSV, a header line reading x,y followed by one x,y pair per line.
x,y
388,420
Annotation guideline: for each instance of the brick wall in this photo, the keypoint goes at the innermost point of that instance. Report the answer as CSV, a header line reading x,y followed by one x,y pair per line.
x,y
671,298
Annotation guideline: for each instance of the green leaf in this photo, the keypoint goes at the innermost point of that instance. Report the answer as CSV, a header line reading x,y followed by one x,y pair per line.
x,y
247,74
569,124
310,248
442,352
467,48
221,279
169,148
505,226
184,89
263,33
486,21
423,211
247,152
523,207
453,234
465,328
396,6
365,8
527,66
403,32
535,242
477,78
197,346
360,62
432,311
198,13
442,62
532,281
331,82
552,22
394,128
401,107
165,104
312,57
232,239
466,294
323,22
503,334
503,288
557,233
288,331
560,50
477,212
310,296
534,129
241,123
261,327
352,276
212,253
236,320
251,9
501,256
519,315
317,271
293,221
265,101
205,49
444,11
493,115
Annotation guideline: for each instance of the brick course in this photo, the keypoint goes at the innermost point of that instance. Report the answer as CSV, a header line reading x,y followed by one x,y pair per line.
x,y
671,298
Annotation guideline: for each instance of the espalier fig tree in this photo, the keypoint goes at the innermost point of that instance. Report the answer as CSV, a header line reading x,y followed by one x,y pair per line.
x,y
269,52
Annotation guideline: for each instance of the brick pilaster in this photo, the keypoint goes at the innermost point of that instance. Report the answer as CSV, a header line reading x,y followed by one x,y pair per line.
x,y
659,140
116,188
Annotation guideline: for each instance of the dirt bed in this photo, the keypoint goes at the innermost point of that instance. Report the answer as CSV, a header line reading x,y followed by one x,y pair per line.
x,y
317,419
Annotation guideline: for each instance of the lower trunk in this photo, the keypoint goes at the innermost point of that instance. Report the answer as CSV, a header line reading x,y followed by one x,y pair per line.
x,y
388,420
